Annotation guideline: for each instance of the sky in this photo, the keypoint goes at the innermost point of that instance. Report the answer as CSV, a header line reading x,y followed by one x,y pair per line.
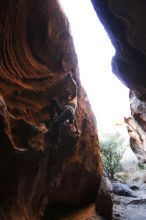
x,y
109,98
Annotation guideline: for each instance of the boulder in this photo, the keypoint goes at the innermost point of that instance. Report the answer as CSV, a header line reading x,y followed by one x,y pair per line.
x,y
104,200
123,189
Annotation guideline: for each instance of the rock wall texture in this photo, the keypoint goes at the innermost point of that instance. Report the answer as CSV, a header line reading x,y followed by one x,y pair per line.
x,y
36,54
136,126
105,196
125,24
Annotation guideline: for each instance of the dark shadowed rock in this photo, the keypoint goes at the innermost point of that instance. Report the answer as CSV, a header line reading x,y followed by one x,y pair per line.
x,y
138,201
104,200
134,187
123,190
125,21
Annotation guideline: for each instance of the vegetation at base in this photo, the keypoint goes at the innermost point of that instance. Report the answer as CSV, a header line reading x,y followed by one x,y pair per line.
x,y
112,150
113,146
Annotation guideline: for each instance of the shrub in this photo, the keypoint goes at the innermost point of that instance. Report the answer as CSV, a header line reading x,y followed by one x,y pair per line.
x,y
112,149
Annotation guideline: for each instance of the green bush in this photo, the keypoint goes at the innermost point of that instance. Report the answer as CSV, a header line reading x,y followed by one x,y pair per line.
x,y
112,149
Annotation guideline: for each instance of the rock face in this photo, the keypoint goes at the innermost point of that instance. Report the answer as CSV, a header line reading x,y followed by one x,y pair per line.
x,y
123,190
137,139
125,22
36,54
104,200
136,125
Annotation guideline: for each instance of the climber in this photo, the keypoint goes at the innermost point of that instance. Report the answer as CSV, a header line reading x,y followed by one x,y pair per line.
x,y
60,115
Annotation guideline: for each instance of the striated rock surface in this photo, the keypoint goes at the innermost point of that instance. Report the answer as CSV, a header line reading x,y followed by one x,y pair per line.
x,y
36,54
